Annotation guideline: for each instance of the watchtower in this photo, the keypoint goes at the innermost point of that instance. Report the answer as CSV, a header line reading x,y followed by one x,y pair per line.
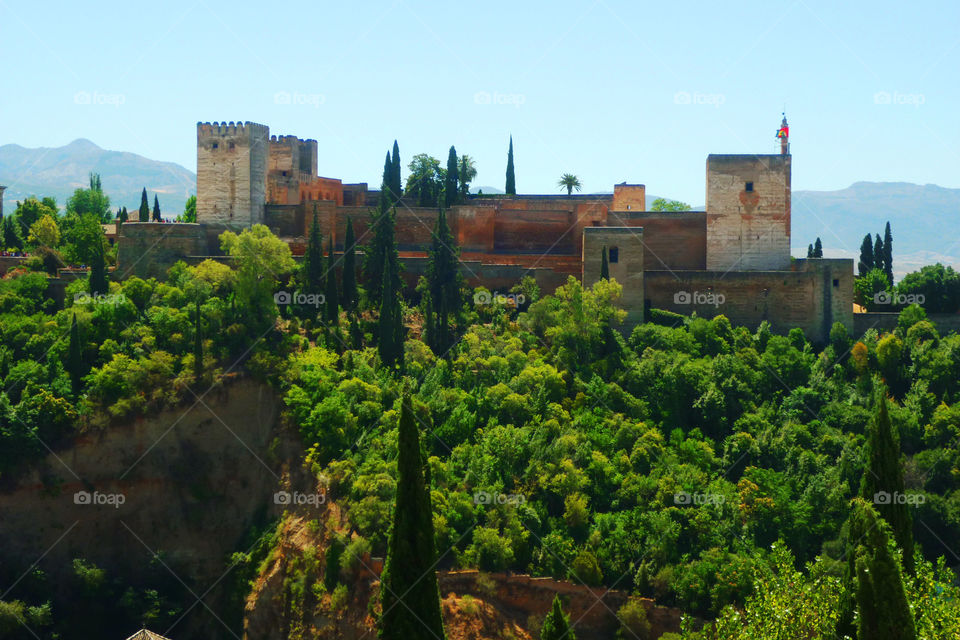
x,y
232,173
748,211
624,247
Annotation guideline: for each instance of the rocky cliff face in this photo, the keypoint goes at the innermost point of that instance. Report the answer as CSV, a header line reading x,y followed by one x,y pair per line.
x,y
186,483
289,603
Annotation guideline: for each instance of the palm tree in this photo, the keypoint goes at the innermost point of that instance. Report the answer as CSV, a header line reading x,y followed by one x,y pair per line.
x,y
569,182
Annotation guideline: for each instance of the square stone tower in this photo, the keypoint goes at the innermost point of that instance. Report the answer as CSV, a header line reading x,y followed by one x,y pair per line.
x,y
748,212
232,173
625,260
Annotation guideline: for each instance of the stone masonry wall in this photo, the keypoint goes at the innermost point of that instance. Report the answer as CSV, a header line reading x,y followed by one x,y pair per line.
x,y
748,212
811,296
148,249
627,244
232,164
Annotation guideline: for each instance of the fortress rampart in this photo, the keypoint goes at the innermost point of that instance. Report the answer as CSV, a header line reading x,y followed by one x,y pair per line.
x,y
739,247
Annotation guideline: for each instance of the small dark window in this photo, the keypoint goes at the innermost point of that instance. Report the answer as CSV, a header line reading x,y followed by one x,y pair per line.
x,y
216,145
232,145
749,187
614,255
836,282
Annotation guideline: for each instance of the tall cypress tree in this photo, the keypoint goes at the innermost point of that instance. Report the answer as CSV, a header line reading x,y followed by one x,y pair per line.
x,y
396,183
880,596
408,587
444,281
98,284
809,250
197,346
386,182
818,248
382,248
556,626
156,209
349,269
124,216
312,269
888,253
330,294
878,253
451,181
866,256
144,207
604,265
882,481
390,323
511,187
74,363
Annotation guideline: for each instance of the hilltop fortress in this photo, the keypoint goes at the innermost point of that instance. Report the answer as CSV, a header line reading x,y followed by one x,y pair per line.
x,y
733,259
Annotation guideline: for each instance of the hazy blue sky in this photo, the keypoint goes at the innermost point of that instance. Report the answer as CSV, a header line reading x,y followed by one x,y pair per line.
x,y
611,91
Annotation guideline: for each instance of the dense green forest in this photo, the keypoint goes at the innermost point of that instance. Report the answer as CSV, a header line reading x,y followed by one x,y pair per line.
x,y
716,469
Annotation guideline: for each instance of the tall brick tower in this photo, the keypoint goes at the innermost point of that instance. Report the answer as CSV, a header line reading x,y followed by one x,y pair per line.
x,y
748,211
232,173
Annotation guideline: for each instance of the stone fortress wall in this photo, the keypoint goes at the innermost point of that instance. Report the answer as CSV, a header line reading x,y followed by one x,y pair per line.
x,y
738,248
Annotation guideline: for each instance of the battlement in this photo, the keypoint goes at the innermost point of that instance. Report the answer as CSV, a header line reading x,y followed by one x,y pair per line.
x,y
223,129
290,140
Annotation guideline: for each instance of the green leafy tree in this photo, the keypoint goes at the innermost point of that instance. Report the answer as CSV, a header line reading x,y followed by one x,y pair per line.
x,y
867,287
425,181
866,262
883,610
262,260
451,181
144,207
11,234
556,626
444,281
569,182
31,210
312,268
888,253
604,265
409,592
467,172
85,240
511,187
349,268
882,481
664,204
44,232
939,286
190,210
92,201
332,314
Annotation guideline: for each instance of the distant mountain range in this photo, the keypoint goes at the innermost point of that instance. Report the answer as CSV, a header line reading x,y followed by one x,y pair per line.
x,y
58,171
924,218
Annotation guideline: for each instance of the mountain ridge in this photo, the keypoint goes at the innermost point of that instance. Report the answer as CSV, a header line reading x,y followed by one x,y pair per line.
x,y
918,213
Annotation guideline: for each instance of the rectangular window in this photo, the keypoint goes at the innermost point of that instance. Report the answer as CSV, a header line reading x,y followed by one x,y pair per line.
x,y
614,255
836,282
749,187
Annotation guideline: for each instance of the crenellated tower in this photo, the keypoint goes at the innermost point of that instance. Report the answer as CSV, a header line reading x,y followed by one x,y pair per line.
x,y
232,161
